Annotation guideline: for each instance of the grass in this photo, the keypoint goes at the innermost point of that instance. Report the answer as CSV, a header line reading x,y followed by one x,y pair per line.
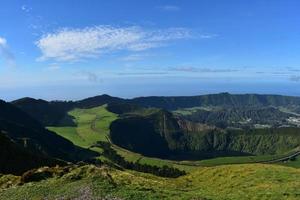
x,y
292,163
238,160
234,182
92,126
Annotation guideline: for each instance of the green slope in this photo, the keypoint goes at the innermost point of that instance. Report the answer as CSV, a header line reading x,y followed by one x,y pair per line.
x,y
92,125
236,182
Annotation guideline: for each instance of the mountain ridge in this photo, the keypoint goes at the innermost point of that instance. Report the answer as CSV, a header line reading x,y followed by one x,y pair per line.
x,y
51,113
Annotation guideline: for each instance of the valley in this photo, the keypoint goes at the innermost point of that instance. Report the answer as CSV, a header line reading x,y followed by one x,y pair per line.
x,y
130,149
149,100
92,125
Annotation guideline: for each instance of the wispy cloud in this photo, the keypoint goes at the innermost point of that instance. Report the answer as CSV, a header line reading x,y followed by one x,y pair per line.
x,y
295,78
26,8
184,69
53,67
135,57
35,22
292,69
89,76
141,73
201,69
169,8
207,36
5,52
75,44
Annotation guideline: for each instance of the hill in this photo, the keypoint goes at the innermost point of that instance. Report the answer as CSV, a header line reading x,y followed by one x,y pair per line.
x,y
235,182
47,113
239,117
28,133
98,101
54,113
221,99
237,107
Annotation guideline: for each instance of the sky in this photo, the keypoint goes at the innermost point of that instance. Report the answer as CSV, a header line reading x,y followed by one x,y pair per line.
x,y
70,50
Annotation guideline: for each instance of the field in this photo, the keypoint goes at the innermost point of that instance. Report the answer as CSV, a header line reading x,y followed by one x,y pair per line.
x,y
92,126
235,182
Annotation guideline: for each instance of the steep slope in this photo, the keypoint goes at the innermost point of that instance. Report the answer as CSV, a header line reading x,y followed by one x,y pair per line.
x,y
152,135
29,133
160,134
15,159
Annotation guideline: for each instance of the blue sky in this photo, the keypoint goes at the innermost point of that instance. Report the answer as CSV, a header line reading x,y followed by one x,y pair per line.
x,y
75,49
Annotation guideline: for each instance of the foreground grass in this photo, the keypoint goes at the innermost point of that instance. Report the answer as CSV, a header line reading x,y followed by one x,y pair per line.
x,y
235,182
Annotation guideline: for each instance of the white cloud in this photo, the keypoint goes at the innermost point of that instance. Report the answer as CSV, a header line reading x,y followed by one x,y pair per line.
x,y
5,53
3,41
26,8
171,8
53,67
75,44
295,78
202,70
135,57
207,36
89,76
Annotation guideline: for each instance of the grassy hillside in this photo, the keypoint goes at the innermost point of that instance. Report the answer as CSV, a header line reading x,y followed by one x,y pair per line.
x,y
92,125
251,181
